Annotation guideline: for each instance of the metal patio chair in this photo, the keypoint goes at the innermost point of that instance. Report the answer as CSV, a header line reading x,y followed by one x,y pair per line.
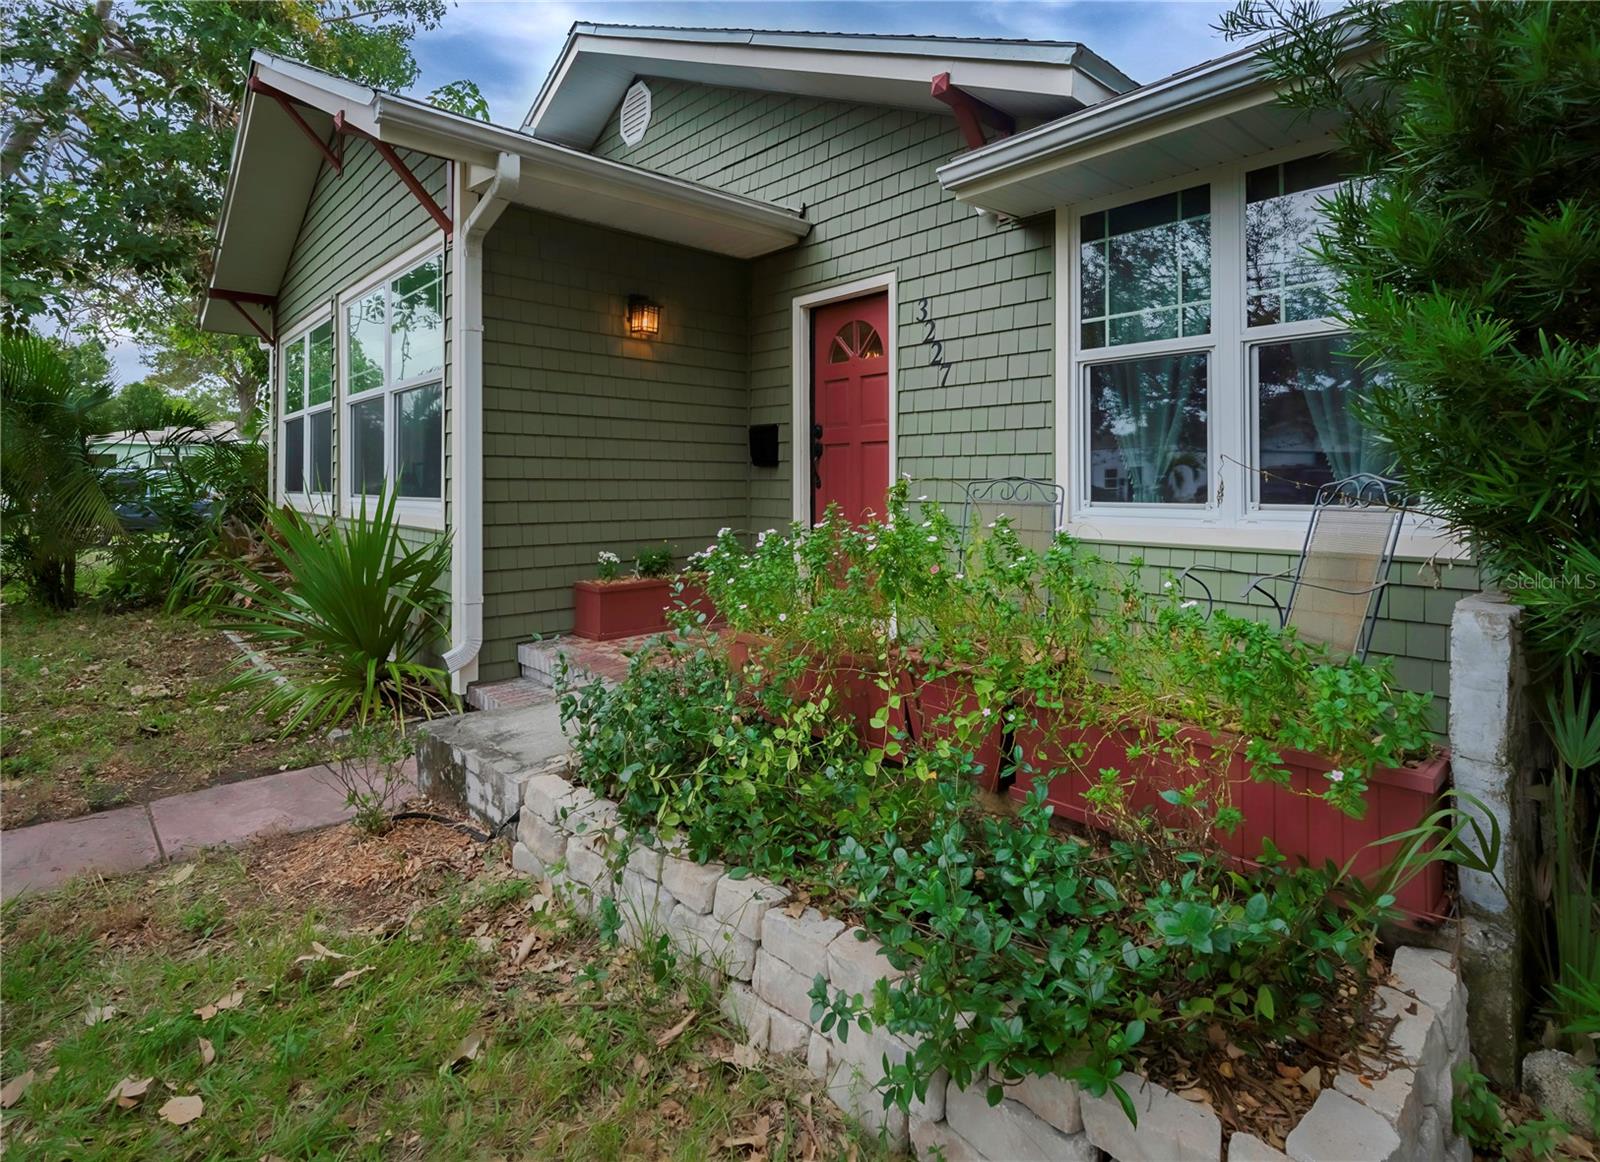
x,y
1035,508
1338,583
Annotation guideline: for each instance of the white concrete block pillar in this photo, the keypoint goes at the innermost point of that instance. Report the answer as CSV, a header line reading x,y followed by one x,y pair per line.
x,y
1493,758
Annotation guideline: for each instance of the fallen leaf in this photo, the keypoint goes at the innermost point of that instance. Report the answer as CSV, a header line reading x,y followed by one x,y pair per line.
x,y
208,1052
1311,1081
128,1092
11,1093
465,1052
1196,1094
180,1111
743,1056
345,978
523,949
177,877
756,1139
232,1001
485,944
675,1032
98,1013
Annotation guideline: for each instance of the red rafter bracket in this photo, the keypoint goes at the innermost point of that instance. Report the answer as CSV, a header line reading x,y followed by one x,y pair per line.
x,y
240,299
972,113
288,103
386,151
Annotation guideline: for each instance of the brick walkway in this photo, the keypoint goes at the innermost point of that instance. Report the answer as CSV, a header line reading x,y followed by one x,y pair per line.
x,y
47,855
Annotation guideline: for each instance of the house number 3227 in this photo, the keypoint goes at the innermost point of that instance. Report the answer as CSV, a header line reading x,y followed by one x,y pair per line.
x,y
932,341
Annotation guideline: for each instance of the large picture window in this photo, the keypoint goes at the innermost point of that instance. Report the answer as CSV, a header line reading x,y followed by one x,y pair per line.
x,y
394,360
1209,381
306,432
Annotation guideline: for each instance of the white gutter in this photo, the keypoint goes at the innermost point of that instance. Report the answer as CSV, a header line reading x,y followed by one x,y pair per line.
x,y
466,430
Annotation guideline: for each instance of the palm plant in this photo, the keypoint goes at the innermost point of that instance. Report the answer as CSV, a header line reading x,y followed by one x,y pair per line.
x,y
53,502
346,612
1574,728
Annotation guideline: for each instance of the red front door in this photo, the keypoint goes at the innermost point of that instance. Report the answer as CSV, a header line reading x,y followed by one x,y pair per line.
x,y
850,406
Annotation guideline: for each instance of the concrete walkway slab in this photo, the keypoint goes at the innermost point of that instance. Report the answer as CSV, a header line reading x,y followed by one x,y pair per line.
x,y
228,815
47,855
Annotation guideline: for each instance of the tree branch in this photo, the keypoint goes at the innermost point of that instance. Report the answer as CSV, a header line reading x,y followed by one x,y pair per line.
x,y
24,135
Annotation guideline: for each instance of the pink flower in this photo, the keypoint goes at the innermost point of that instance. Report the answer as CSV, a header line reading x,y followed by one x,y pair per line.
x,y
933,568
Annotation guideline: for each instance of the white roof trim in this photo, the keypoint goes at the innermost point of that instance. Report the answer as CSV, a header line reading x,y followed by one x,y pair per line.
x,y
555,178
1060,142
1029,79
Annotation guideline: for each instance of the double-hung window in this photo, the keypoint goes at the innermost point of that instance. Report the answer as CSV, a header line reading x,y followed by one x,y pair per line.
x,y
305,437
1206,382
394,399
1145,333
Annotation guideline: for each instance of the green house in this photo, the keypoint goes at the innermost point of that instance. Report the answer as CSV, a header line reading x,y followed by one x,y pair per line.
x,y
949,259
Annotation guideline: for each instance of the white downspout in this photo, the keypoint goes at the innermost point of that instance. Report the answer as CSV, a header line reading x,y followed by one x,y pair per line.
x,y
466,432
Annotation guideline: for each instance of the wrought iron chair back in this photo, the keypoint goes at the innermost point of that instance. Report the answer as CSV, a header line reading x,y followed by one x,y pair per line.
x,y
1035,509
1338,583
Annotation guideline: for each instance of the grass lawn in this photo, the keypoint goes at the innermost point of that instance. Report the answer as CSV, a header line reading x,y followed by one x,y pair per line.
x,y
333,995
100,709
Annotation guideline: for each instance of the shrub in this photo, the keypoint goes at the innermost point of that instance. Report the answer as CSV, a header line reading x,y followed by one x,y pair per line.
x,y
607,565
653,563
368,767
348,611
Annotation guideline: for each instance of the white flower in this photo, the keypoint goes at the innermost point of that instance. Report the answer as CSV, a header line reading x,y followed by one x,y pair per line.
x,y
1188,605
907,475
991,524
927,524
742,605
924,496
932,539
781,616
609,558
724,531
961,576
986,712
1335,776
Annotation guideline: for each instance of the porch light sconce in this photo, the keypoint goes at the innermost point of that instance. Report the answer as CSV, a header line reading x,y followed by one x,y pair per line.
x,y
644,317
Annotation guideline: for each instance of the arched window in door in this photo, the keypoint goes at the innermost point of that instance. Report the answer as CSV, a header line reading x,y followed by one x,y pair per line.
x,y
855,340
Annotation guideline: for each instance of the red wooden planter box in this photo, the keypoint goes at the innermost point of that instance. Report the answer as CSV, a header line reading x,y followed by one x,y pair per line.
x,y
933,702
629,606
856,692
1300,825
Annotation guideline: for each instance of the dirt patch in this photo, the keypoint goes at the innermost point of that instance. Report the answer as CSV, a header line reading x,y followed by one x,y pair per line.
x,y
101,710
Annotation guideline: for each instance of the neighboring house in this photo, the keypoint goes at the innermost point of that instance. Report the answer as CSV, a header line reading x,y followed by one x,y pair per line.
x,y
156,447
807,231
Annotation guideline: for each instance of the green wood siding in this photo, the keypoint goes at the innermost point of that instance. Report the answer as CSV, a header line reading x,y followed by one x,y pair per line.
x,y
357,222
594,441
866,178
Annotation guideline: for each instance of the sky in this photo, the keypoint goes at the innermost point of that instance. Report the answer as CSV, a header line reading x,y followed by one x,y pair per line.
x,y
508,46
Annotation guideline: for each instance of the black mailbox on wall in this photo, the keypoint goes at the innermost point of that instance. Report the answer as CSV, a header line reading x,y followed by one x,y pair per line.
x,y
764,445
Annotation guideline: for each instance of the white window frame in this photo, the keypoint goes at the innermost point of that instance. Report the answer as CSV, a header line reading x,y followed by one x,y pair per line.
x,y
1232,516
412,512
314,503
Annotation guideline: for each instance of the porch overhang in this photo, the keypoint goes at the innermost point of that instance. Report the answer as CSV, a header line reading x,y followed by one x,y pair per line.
x,y
295,118
1209,115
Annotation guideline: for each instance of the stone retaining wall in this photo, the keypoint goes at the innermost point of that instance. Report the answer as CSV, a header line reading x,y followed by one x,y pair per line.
x,y
741,929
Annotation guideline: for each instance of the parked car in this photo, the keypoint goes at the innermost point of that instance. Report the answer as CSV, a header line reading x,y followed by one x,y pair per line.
x,y
146,501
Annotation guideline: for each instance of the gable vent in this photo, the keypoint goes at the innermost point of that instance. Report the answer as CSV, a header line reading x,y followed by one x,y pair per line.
x,y
635,113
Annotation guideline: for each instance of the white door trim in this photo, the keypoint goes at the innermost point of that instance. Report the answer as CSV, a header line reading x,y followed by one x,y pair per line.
x,y
800,377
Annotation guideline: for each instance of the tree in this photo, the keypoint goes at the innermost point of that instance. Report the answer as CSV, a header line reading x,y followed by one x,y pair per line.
x,y
226,374
120,123
53,503
1468,257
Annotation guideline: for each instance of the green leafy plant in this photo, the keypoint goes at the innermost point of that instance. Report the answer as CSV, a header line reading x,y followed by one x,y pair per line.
x,y
368,766
1574,727
54,505
607,565
347,614
653,563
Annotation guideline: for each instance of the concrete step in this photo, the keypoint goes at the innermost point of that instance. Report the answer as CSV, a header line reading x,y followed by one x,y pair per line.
x,y
483,759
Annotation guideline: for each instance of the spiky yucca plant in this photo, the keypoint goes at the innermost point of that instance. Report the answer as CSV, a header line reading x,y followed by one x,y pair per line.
x,y
346,611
